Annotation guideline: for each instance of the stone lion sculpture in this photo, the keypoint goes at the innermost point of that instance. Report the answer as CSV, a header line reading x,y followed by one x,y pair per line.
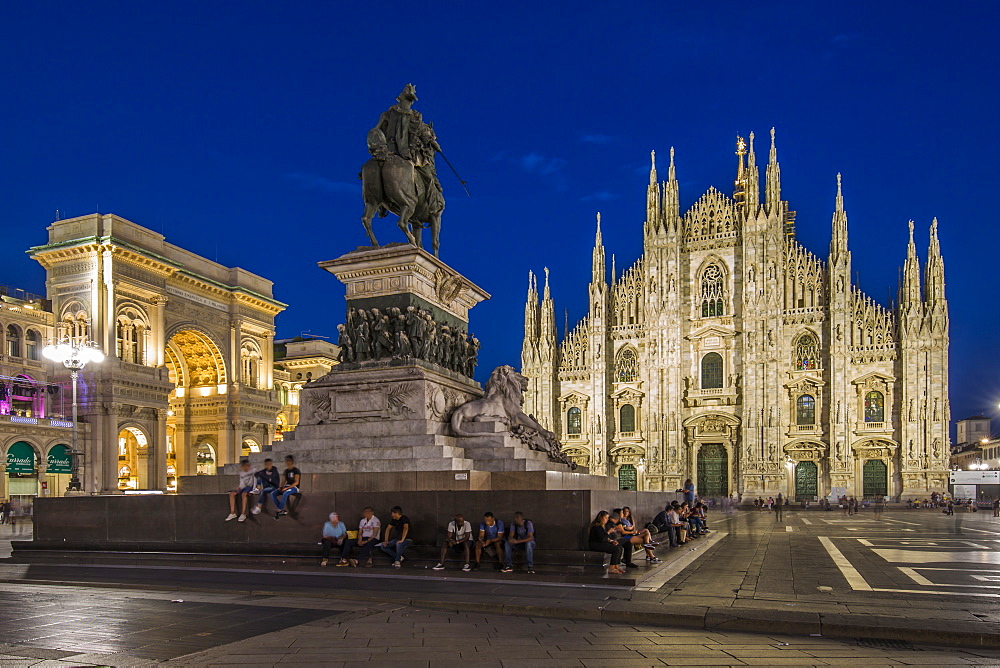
x,y
502,403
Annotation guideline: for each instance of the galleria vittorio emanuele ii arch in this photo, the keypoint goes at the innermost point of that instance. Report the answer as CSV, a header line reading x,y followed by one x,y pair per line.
x,y
187,385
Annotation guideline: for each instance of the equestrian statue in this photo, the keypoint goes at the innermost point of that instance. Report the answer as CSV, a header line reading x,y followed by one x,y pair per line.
x,y
401,176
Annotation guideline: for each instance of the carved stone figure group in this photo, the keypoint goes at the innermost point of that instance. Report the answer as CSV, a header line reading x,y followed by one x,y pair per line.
x,y
374,334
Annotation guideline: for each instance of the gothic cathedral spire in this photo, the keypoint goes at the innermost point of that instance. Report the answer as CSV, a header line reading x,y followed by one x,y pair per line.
x,y
752,179
910,292
934,280
773,187
598,271
671,198
838,237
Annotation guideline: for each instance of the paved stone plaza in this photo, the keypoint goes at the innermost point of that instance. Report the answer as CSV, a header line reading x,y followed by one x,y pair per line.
x,y
70,626
893,591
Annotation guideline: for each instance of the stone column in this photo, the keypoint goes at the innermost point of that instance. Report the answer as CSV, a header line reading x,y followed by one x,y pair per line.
x,y
158,461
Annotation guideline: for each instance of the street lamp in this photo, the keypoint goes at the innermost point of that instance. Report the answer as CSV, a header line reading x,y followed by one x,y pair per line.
x,y
74,355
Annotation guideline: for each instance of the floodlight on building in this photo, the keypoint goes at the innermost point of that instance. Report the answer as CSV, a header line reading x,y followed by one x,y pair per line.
x,y
74,355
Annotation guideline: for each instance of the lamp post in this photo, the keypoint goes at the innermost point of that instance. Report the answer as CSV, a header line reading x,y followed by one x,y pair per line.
x,y
74,355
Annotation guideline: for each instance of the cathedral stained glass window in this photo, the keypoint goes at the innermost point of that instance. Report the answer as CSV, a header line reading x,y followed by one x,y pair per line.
x,y
574,421
626,418
805,410
806,353
711,371
627,367
712,291
874,407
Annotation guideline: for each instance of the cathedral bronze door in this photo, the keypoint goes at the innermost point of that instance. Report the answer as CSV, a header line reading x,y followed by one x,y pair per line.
x,y
806,479
713,470
875,475
628,477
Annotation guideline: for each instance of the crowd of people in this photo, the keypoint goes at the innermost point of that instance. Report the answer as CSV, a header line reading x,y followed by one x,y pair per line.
x,y
497,541
256,487
617,534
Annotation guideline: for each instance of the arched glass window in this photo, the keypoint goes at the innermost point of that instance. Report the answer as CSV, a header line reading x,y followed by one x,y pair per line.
x,y
874,407
626,418
806,353
805,410
711,371
712,291
574,421
13,341
31,345
627,367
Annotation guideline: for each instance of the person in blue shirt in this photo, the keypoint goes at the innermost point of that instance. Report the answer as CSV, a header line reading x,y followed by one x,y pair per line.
x,y
491,534
334,533
522,536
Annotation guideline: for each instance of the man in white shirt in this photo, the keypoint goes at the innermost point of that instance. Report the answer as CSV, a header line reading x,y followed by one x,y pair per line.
x,y
459,540
369,530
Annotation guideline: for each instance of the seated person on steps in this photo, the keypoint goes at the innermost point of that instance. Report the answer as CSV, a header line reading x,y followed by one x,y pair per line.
x,y
244,488
459,540
291,477
599,541
397,536
626,527
369,529
268,481
521,536
334,535
490,539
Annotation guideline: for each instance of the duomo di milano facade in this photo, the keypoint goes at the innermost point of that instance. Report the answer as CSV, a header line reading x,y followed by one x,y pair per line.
x,y
732,355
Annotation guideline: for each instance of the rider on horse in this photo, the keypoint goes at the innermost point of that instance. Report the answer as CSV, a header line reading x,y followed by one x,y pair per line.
x,y
401,131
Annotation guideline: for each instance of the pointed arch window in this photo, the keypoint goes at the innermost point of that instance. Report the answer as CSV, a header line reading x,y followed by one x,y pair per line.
x,y
626,418
627,367
874,406
713,291
805,410
806,353
574,421
711,371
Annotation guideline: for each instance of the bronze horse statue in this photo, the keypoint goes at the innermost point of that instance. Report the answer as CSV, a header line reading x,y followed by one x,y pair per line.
x,y
392,183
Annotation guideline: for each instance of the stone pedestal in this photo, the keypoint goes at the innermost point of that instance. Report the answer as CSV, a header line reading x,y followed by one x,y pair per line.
x,y
402,275
382,416
386,408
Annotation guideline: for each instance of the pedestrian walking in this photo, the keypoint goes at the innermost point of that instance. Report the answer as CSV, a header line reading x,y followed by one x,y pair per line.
x,y
779,507
996,507
879,507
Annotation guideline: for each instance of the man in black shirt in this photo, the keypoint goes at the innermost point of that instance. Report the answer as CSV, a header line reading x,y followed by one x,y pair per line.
x,y
291,478
397,536
268,480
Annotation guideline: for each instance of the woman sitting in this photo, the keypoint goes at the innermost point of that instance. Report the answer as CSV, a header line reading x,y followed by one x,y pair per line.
x,y
623,525
600,541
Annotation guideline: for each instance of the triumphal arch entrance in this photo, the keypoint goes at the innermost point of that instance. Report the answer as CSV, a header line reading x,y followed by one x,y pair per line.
x,y
187,382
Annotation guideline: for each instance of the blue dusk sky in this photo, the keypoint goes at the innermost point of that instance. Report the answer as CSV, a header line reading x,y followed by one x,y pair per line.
x,y
238,129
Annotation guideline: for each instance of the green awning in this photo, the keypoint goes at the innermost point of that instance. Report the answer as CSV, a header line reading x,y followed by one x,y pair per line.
x,y
60,460
21,458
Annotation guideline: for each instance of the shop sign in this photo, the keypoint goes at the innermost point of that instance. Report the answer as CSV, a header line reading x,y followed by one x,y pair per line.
x,y
59,460
21,459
